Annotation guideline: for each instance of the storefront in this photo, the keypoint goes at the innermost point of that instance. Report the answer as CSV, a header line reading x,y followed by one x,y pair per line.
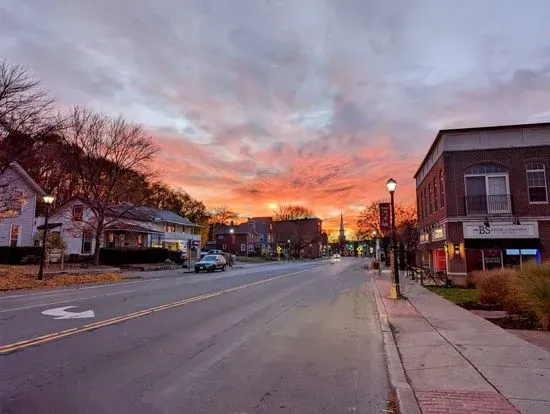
x,y
500,244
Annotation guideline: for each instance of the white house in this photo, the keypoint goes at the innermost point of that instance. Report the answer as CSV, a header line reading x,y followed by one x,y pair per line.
x,y
19,195
126,226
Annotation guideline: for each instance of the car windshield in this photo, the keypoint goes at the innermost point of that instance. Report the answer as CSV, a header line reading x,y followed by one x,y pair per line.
x,y
209,259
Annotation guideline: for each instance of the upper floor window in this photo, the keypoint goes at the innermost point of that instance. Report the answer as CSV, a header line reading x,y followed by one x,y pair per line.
x,y
436,195
441,190
78,212
536,182
170,228
430,199
487,190
418,206
425,204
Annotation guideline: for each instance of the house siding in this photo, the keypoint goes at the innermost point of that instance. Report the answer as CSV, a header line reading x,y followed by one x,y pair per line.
x,y
26,219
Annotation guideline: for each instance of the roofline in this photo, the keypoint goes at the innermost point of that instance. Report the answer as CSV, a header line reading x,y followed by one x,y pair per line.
x,y
27,177
470,129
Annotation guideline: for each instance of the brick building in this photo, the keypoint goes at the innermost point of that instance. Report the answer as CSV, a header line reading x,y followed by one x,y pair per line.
x,y
483,198
305,236
240,239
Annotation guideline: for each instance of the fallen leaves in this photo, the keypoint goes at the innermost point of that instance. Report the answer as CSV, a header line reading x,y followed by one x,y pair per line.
x,y
21,277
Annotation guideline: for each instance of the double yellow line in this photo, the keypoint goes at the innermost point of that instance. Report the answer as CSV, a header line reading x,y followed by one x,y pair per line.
x,y
6,349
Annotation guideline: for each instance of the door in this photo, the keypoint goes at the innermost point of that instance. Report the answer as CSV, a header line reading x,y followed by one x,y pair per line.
x,y
497,200
476,195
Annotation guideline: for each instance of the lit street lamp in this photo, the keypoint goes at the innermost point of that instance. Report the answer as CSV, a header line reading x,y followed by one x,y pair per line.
x,y
288,241
395,291
48,200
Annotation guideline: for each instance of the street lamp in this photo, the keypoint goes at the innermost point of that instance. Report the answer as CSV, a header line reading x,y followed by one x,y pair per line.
x,y
288,241
48,200
395,291
231,231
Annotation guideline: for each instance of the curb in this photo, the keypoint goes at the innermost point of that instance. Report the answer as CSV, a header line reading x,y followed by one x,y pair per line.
x,y
405,395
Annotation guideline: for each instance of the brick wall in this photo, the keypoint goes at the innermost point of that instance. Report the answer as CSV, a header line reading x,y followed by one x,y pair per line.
x,y
428,182
512,159
544,235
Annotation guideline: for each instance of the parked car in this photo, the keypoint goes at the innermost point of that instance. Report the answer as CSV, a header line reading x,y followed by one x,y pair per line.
x,y
210,263
215,251
178,256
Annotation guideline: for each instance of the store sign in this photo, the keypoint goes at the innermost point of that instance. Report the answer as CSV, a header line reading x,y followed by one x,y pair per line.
x,y
385,223
438,233
479,230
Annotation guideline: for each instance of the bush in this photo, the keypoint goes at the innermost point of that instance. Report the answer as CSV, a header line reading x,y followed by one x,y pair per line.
x,y
130,256
493,285
18,255
529,295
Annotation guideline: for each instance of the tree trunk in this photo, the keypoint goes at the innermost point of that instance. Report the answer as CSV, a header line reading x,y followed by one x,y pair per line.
x,y
98,233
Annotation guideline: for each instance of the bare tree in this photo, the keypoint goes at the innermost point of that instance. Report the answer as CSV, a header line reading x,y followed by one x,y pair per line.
x,y
110,158
221,215
12,198
292,212
26,112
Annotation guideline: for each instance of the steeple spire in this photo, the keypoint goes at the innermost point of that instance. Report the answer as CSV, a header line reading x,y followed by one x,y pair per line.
x,y
342,231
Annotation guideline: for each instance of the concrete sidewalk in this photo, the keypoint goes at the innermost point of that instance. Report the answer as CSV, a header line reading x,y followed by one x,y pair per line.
x,y
457,362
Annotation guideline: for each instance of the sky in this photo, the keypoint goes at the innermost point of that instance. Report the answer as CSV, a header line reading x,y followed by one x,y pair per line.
x,y
256,103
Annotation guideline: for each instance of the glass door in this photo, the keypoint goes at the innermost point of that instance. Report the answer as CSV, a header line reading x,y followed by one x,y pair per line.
x,y
476,195
497,198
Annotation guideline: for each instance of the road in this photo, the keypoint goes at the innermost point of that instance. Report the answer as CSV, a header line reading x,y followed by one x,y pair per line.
x,y
289,338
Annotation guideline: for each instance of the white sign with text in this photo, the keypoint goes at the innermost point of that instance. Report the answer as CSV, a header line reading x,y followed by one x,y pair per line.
x,y
525,230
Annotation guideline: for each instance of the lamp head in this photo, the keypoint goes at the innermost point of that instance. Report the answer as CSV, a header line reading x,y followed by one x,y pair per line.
x,y
391,185
48,199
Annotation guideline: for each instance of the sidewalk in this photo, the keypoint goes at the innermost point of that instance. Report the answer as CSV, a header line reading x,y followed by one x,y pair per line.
x,y
457,362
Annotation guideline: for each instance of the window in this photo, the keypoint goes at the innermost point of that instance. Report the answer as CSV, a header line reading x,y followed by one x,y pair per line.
x,y
487,190
430,199
441,190
224,246
536,182
220,237
170,228
87,242
14,235
436,195
418,206
424,204
243,247
78,212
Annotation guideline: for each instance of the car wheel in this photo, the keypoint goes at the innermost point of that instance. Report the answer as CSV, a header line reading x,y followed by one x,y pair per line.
x,y
223,268
196,270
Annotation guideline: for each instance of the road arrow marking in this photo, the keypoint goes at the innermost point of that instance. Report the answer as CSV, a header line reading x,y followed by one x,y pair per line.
x,y
62,313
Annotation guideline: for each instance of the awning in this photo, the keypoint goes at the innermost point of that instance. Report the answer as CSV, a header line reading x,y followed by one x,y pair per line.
x,y
130,228
502,244
50,226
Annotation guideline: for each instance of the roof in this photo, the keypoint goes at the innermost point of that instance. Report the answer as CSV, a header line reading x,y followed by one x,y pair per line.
x,y
472,129
262,224
15,165
163,215
243,228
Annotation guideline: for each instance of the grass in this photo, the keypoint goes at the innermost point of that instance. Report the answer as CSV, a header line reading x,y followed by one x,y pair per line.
x,y
459,296
254,259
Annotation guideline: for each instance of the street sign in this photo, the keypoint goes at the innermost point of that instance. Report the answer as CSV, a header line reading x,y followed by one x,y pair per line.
x,y
279,250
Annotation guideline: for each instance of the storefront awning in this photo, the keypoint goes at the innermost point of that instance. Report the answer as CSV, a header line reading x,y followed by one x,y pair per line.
x,y
502,244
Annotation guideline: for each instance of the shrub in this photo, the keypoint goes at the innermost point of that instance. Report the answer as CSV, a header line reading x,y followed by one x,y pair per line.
x,y
529,295
493,285
129,256
17,255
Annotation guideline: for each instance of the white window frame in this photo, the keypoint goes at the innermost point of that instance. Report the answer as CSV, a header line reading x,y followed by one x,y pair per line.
x,y
18,243
243,247
73,216
224,246
487,176
545,181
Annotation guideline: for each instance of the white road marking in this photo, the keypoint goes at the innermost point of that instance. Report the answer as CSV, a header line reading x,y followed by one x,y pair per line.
x,y
63,313
65,301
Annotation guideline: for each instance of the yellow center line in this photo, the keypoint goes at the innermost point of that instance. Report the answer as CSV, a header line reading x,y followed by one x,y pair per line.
x,y
8,348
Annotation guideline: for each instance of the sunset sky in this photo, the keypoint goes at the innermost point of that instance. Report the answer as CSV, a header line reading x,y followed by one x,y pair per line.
x,y
316,102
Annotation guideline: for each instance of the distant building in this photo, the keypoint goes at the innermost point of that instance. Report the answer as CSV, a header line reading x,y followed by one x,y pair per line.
x,y
264,227
305,236
19,196
239,239
483,198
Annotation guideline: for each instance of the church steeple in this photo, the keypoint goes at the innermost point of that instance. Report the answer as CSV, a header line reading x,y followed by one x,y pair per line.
x,y
342,231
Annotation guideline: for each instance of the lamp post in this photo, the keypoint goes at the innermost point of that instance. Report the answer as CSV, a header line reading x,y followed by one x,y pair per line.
x,y
395,291
48,200
288,241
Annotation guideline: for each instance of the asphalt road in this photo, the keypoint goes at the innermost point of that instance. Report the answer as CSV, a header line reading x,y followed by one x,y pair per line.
x,y
290,338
